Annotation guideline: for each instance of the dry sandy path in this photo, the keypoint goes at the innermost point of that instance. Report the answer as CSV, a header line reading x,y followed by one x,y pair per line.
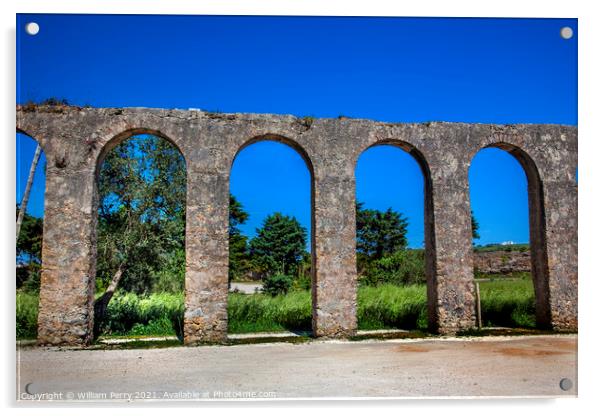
x,y
523,366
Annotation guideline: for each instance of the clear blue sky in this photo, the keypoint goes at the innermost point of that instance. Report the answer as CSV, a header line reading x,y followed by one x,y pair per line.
x,y
392,69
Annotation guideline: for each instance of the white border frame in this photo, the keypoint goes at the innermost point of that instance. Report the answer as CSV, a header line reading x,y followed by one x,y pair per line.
x,y
590,94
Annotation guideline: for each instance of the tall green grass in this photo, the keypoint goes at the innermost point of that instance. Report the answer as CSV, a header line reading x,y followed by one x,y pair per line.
x,y
508,303
155,314
504,303
27,315
261,312
389,306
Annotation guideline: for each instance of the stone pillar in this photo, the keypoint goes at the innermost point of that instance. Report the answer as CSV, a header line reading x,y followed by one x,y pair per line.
x,y
66,309
560,201
334,288
448,244
206,314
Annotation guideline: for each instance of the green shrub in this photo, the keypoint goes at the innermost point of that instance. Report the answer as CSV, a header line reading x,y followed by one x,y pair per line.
x,y
170,278
404,267
128,310
307,121
27,315
302,283
160,326
32,284
278,284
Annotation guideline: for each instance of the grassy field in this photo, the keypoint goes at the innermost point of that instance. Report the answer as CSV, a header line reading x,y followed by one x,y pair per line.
x,y
504,303
508,303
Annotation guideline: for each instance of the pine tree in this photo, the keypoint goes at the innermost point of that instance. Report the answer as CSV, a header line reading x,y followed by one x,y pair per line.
x,y
279,245
238,254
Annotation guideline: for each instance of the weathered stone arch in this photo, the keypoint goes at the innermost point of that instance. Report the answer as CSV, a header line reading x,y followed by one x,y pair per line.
x,y
429,230
300,150
41,145
537,229
109,142
295,145
38,140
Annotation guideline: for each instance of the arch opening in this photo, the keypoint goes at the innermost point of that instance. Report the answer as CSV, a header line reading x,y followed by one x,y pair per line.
x,y
140,236
271,270
30,200
395,239
510,255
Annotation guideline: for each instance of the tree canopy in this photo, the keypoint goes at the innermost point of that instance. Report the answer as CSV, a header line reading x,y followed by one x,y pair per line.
x,y
29,244
380,233
279,246
142,190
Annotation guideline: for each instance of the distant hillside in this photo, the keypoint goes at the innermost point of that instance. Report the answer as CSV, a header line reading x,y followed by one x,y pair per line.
x,y
521,248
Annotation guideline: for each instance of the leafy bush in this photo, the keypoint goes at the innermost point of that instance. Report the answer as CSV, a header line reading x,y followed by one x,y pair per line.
x,y
28,277
127,311
302,283
278,284
170,278
161,326
404,267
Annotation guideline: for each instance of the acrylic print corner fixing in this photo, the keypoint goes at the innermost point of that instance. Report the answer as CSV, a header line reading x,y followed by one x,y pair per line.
x,y
405,186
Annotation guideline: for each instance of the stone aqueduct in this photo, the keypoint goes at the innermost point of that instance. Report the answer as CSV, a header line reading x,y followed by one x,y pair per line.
x,y
75,141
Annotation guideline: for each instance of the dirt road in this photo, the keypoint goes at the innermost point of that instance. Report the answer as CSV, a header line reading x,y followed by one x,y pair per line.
x,y
517,366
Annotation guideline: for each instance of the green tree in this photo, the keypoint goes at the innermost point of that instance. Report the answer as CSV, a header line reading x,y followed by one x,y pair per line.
x,y
238,255
403,267
379,234
279,245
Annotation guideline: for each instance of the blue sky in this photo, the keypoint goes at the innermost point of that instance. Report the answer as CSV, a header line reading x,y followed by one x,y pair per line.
x,y
391,69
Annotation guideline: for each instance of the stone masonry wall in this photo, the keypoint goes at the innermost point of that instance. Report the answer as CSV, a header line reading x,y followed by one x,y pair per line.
x,y
502,262
76,139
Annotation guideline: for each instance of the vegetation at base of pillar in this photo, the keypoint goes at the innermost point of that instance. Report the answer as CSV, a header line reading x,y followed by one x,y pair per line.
x,y
508,303
29,253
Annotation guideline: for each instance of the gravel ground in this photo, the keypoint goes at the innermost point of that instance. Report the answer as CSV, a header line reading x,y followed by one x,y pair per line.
x,y
491,366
